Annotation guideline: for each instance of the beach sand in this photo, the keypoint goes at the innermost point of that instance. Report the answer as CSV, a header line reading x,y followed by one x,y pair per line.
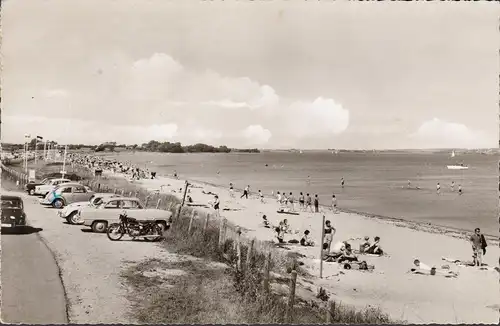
x,y
470,298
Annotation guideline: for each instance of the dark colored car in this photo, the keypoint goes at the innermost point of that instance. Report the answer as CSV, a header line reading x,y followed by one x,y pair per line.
x,y
13,211
30,187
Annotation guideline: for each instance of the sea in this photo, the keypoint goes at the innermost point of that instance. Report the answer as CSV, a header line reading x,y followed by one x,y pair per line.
x,y
375,182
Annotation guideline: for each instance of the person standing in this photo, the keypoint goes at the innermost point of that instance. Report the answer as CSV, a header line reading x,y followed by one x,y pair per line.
x,y
216,205
231,190
329,233
334,204
245,192
452,186
309,203
292,204
316,204
459,189
301,201
479,244
438,188
342,182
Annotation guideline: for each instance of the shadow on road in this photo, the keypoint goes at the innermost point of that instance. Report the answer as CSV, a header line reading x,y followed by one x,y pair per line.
x,y
20,230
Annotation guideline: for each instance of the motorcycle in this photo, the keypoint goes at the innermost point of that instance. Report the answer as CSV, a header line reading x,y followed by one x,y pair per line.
x,y
148,230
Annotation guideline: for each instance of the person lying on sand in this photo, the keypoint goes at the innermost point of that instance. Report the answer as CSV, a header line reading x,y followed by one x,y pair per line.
x,y
189,199
375,248
423,269
365,245
306,241
362,266
328,256
261,196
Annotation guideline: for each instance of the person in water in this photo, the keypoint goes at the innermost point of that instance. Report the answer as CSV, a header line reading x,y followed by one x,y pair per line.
x,y
438,188
231,190
342,182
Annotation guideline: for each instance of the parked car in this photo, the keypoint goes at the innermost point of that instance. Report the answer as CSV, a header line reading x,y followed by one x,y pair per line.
x,y
98,218
30,186
43,190
69,212
67,193
13,211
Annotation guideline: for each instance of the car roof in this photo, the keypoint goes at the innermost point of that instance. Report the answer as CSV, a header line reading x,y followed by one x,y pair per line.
x,y
126,198
59,179
106,194
10,197
69,184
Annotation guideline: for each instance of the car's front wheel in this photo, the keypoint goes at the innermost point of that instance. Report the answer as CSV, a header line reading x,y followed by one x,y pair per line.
x,y
31,192
58,203
99,226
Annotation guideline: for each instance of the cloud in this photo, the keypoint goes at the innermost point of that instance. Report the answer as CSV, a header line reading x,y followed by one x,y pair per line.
x,y
438,133
322,117
256,135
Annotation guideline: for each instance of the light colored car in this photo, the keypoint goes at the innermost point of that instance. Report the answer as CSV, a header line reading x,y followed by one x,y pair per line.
x,y
69,212
43,190
98,218
67,193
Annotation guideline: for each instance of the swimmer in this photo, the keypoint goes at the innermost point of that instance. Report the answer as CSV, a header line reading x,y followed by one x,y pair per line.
x,y
438,188
459,189
342,182
231,190
452,186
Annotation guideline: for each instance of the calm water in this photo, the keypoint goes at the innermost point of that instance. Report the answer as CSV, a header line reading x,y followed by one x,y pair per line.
x,y
375,182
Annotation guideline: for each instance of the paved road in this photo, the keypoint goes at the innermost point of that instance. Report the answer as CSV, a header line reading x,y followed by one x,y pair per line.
x,y
32,291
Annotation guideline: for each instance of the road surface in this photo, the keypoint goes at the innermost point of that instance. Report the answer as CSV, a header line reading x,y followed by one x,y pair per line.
x,y
32,291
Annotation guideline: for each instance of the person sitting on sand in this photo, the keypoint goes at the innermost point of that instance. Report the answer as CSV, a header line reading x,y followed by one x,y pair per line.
x,y
375,248
347,255
284,226
216,205
327,256
265,222
306,241
365,245
189,199
280,234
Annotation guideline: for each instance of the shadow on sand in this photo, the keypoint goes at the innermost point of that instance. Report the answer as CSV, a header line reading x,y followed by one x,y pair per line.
x,y
26,229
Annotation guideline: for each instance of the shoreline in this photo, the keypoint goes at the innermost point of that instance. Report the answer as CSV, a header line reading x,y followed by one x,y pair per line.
x,y
398,221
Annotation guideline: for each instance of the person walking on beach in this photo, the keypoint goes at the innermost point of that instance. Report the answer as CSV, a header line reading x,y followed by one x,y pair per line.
x,y
278,197
438,188
301,201
452,186
216,205
334,204
245,192
479,245
231,190
329,233
308,203
261,196
409,184
292,205
342,182
316,204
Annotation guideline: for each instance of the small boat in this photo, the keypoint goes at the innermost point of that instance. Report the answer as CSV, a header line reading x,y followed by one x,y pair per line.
x,y
457,167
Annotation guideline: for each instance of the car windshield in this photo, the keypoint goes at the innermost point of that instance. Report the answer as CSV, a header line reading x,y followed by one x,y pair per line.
x,y
11,203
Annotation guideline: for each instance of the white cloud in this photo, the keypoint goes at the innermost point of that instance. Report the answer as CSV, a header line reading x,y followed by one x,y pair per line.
x,y
320,117
438,133
256,135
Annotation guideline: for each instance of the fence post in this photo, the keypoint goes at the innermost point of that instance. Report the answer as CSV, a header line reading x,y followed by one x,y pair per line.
x,y
114,191
321,248
222,227
191,221
136,193
330,312
98,187
291,298
147,201
267,272
238,249
206,223
249,254
158,204
123,192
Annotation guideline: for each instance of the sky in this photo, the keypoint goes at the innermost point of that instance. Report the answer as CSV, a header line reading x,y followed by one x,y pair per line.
x,y
265,74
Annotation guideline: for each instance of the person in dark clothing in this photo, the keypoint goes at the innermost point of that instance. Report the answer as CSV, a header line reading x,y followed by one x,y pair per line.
x,y
245,192
316,204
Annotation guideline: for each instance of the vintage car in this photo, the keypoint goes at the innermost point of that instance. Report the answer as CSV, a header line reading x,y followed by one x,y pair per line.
x,y
30,186
13,211
69,212
67,193
98,218
43,190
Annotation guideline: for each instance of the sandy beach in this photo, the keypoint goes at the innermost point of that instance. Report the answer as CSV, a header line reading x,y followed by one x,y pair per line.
x,y
472,297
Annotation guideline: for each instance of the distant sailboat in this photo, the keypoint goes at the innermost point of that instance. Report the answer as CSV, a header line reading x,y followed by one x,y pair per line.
x,y
456,166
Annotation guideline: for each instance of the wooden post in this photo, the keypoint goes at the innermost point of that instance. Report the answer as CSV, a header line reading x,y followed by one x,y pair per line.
x,y
130,194
98,187
206,223
186,185
222,231
193,213
114,191
147,200
249,254
291,298
330,312
321,248
136,193
123,192
158,204
267,272
238,249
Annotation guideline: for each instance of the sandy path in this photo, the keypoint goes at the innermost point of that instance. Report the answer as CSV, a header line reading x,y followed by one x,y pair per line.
x,y
471,298
91,265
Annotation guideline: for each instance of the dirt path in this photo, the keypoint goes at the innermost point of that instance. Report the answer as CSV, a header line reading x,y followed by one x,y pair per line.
x,y
91,266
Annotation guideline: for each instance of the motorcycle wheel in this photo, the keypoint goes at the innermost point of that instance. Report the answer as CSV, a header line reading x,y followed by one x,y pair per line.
x,y
115,232
155,234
